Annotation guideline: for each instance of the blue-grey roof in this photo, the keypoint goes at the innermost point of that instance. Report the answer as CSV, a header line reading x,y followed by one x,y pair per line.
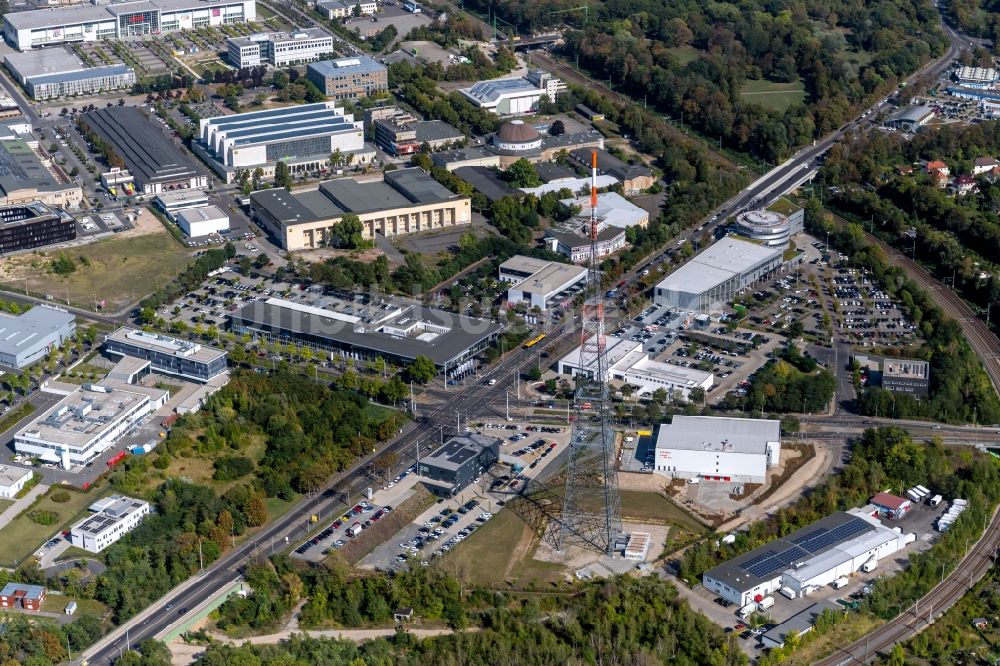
x,y
267,114
81,75
356,65
258,135
20,332
489,92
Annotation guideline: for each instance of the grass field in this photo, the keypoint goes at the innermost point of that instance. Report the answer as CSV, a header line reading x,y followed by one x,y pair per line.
x,y
772,95
684,54
117,270
23,535
655,508
56,603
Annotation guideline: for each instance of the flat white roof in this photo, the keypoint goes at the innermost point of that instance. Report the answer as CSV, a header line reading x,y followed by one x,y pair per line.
x,y
612,209
44,18
718,433
165,344
109,512
10,475
520,263
719,262
202,214
623,356
572,184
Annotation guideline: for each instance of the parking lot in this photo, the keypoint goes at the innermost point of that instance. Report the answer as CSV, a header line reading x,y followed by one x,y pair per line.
x,y
867,315
392,14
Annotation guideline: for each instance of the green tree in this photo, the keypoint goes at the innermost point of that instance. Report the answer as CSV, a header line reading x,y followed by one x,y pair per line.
x,y
422,370
63,264
522,174
348,232
282,175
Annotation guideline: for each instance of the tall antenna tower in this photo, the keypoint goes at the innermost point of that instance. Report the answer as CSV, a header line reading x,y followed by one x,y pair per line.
x,y
591,514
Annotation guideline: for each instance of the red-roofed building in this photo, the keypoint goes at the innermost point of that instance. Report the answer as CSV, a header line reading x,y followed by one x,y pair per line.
x,y
890,506
964,184
938,165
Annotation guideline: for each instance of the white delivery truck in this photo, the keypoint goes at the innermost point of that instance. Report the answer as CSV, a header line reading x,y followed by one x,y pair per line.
x,y
354,530
747,610
788,592
766,603
869,566
913,495
934,501
840,583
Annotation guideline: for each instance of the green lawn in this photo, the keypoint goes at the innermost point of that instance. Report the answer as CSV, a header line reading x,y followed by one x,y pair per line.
x,y
684,54
655,508
116,270
56,603
278,507
485,556
23,536
772,95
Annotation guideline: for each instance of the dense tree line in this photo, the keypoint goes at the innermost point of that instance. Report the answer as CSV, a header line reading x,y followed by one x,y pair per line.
x,y
790,382
960,391
820,43
191,277
624,620
40,641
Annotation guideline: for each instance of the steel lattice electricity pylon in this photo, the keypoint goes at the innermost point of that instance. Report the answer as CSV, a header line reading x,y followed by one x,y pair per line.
x,y
591,512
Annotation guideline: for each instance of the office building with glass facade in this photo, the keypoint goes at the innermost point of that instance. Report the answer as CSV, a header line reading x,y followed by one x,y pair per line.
x,y
349,78
94,22
279,48
170,356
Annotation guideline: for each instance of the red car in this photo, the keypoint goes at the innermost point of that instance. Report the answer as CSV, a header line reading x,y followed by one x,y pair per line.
x,y
336,524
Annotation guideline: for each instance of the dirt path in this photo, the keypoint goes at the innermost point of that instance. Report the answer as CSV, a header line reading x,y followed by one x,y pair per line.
x,y
804,477
183,653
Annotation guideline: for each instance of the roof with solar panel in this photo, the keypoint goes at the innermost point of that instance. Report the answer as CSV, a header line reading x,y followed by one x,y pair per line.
x,y
803,548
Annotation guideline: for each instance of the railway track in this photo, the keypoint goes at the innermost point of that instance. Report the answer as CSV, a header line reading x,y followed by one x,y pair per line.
x,y
980,337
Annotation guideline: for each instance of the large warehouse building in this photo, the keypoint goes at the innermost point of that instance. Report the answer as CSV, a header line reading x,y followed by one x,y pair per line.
x,y
407,201
119,20
454,465
279,49
86,423
31,225
303,137
806,559
540,283
362,330
718,448
51,73
29,336
717,275
155,162
25,179
628,363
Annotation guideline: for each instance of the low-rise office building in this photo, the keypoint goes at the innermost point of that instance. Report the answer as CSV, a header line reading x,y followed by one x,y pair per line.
x,y
718,448
400,133
155,162
112,518
717,275
279,49
25,178
349,78
634,177
340,9
86,423
900,375
302,136
31,225
540,283
30,336
202,221
171,356
450,468
20,595
572,240
627,363
119,20
53,73
13,480
406,201
174,201
362,329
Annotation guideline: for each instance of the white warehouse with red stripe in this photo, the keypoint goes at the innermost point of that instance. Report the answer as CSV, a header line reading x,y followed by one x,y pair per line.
x,y
717,448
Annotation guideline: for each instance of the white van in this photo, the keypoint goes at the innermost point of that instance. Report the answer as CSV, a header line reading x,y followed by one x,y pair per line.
x,y
766,603
747,610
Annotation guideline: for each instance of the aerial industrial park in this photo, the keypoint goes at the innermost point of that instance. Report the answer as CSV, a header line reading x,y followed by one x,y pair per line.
x,y
326,322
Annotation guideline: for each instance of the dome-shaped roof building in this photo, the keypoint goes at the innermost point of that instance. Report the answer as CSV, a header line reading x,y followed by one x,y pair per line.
x,y
516,136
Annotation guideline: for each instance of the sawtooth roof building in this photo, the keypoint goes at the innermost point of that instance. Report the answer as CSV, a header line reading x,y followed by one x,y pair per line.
x,y
152,159
119,20
302,136
363,329
406,201
716,275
